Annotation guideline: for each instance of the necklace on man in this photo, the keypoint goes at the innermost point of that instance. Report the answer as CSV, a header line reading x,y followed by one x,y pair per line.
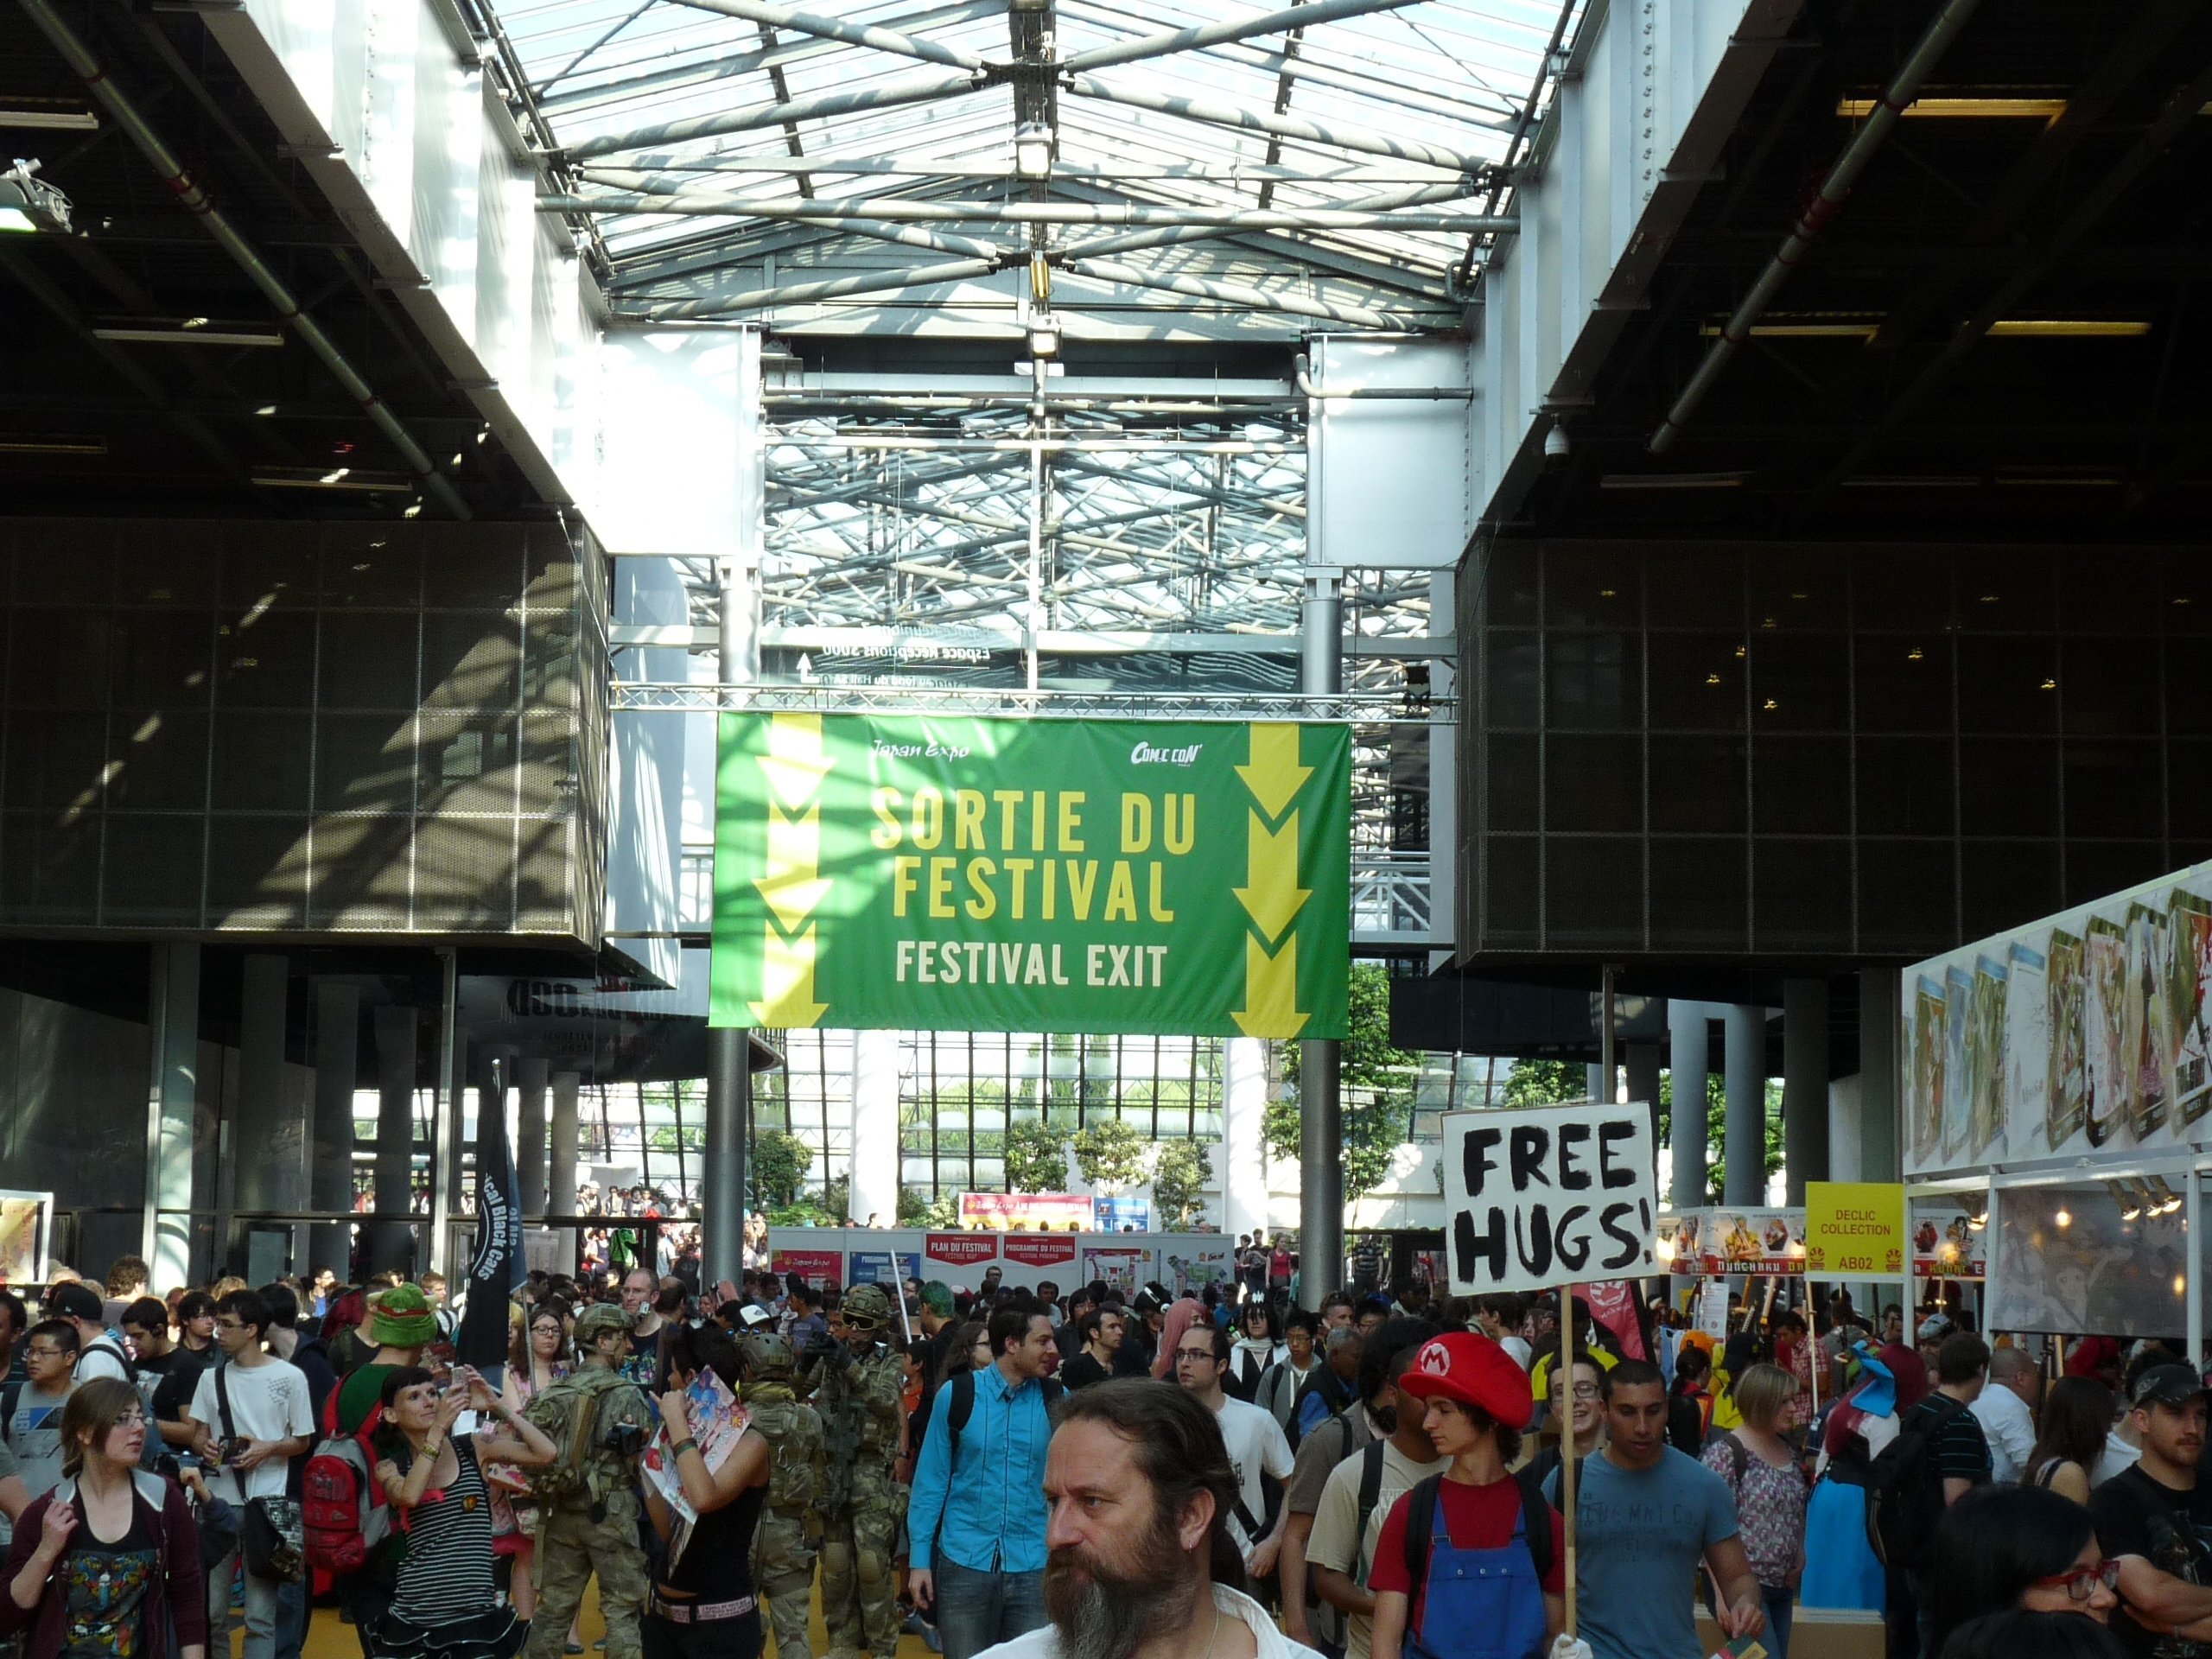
x,y
1214,1634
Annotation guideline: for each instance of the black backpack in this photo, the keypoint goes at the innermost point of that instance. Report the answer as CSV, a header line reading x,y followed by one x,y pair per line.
x,y
1421,1522
964,1407
1907,1485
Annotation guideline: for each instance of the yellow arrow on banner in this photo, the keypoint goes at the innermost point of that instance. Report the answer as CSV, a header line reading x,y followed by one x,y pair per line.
x,y
1270,991
1274,898
794,764
787,977
1274,776
791,886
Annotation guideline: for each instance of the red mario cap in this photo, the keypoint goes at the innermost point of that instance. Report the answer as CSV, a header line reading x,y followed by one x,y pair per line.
x,y
1473,1370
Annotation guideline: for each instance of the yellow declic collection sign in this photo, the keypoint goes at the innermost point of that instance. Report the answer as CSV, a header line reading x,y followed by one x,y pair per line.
x,y
1855,1227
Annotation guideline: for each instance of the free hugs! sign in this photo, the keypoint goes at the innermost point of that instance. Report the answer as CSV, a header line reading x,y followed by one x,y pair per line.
x,y
1548,1197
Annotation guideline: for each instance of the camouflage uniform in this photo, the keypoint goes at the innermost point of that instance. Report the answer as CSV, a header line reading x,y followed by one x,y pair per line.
x,y
592,1527
791,1527
861,1398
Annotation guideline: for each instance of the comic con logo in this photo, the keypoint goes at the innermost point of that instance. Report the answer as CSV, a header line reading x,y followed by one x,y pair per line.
x,y
1145,754
1435,1360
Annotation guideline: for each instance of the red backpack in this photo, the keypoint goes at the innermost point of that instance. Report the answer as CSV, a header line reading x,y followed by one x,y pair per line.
x,y
345,1511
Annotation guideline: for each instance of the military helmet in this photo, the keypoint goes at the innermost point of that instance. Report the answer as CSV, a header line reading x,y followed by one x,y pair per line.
x,y
867,1308
768,1357
602,1316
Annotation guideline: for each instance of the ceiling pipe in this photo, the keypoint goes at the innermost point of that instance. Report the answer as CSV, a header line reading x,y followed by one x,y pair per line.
x,y
920,88
1336,135
899,209
195,200
1236,28
1255,299
836,28
1869,138
1423,394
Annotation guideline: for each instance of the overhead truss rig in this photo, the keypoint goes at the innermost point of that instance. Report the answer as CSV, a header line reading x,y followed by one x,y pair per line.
x,y
1362,709
1348,172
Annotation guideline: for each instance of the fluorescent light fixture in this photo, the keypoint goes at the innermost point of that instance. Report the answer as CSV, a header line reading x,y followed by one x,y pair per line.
x,y
1913,481
335,478
48,114
1044,335
24,444
29,204
1981,107
1674,481
187,331
1787,327
2067,328
1033,144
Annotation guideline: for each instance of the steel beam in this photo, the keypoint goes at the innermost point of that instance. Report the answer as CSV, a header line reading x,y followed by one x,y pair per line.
x,y
890,94
759,299
1235,29
836,28
1258,299
720,204
1335,135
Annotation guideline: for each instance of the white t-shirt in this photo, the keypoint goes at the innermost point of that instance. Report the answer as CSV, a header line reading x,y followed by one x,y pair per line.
x,y
269,1401
1257,1447
102,1356
33,1434
1523,1356
1044,1642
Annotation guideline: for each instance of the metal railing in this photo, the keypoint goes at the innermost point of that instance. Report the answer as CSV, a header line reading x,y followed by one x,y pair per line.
x,y
1390,899
1356,708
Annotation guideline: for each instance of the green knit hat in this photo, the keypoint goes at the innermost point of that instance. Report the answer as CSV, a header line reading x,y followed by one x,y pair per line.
x,y
401,1318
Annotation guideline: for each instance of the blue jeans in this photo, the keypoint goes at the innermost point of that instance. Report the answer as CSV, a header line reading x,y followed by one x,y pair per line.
x,y
976,1610
291,1618
261,1613
1778,1604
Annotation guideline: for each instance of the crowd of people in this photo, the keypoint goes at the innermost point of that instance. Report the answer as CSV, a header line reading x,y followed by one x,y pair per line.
x,y
1115,1471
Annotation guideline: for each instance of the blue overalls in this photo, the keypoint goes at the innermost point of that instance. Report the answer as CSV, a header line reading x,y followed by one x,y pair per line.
x,y
1488,1604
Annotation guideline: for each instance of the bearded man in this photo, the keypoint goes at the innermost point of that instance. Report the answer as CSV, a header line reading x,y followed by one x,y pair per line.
x,y
1141,1562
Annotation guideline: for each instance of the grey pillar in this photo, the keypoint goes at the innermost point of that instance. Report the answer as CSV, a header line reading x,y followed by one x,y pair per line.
x,y
721,1172
1594,1083
330,1176
1641,1060
1320,1100
1878,1139
1804,1084
561,1179
445,1117
392,1243
1744,1065
266,1146
173,1104
1687,1057
530,1136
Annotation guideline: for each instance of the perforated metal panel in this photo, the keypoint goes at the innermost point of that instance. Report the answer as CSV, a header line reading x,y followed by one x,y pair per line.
x,y
302,729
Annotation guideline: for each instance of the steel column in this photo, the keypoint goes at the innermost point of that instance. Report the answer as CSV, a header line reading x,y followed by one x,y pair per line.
x,y
1320,1080
392,1243
1745,1067
173,1102
1688,1056
330,1178
1804,1084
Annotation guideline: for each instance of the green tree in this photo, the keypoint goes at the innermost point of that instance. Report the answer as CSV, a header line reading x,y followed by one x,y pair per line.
x,y
1716,1130
781,1162
1378,1087
1180,1171
1109,1153
1036,1158
917,1210
1544,1082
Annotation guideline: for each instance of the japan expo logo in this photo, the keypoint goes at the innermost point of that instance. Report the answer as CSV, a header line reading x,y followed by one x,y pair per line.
x,y
1435,1360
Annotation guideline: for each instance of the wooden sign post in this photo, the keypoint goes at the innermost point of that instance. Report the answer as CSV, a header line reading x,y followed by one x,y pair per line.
x,y
1566,1440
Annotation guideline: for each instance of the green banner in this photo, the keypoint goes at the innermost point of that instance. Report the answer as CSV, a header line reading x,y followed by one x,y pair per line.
x,y
1056,876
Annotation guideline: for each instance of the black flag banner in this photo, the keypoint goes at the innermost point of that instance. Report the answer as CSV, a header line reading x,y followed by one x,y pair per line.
x,y
497,1266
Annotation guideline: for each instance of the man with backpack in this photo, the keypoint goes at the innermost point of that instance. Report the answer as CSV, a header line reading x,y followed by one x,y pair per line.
x,y
1329,1387
791,1527
1470,1562
1940,1455
1357,1496
589,1506
99,1351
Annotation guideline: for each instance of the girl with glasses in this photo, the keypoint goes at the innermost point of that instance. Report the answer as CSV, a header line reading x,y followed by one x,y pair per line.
x,y
107,1563
2007,1547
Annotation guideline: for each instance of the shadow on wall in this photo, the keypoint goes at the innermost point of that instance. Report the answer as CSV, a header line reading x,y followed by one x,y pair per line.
x,y
318,729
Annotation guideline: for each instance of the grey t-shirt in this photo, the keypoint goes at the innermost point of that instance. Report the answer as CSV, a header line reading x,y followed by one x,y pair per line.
x,y
1639,1536
33,1434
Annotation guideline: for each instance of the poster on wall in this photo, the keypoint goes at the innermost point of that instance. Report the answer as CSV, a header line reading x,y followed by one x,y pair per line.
x,y
2082,1032
884,1267
1946,1244
1194,1260
1747,1241
1855,1228
951,874
23,1222
817,1267
1040,1250
1059,1212
2067,1262
1122,1266
1121,1214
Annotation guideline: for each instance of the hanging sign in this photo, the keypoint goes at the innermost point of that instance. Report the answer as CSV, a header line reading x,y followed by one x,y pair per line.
x,y
1536,1199
970,874
1855,1228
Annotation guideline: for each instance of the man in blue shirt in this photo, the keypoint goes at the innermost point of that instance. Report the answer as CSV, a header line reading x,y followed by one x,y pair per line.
x,y
1645,1514
976,1513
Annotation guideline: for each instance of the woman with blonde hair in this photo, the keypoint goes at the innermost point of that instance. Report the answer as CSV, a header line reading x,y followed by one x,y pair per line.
x,y
107,1562
1768,1483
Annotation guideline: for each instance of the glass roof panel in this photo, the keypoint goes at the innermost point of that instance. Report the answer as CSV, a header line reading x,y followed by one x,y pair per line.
x,y
742,116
